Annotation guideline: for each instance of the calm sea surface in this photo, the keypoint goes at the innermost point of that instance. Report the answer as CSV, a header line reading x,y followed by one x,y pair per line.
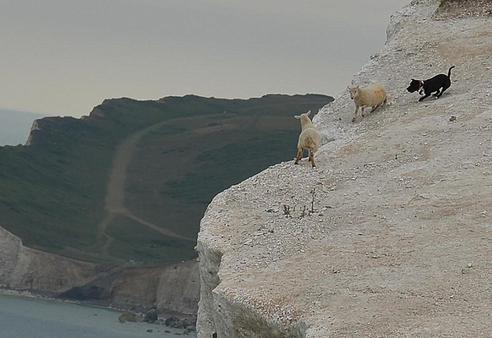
x,y
34,318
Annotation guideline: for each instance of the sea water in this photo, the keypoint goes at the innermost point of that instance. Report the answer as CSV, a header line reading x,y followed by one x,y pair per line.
x,y
36,318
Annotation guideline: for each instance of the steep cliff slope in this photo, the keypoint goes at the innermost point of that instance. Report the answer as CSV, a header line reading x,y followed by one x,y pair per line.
x,y
391,235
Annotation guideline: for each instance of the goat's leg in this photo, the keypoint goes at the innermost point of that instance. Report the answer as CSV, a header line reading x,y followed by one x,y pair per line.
x,y
311,158
362,109
299,155
356,113
375,107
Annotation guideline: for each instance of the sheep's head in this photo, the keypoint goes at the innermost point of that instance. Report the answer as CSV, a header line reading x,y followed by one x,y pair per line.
x,y
354,91
304,118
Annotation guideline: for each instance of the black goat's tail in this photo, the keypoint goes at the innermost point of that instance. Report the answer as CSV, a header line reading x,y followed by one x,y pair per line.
x,y
449,72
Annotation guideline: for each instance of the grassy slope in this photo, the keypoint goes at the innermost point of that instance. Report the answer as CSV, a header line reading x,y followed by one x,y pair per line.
x,y
52,192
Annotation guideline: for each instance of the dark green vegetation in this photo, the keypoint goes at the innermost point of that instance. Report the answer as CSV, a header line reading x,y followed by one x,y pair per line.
x,y
53,192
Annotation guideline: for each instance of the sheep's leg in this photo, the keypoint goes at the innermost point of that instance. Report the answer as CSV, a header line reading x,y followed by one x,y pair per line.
x,y
299,155
355,113
375,107
362,111
311,158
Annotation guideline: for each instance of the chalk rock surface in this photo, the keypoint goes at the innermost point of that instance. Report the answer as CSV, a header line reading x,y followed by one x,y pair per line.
x,y
392,234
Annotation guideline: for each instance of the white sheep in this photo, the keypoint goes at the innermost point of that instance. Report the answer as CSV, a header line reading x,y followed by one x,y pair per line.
x,y
309,139
373,96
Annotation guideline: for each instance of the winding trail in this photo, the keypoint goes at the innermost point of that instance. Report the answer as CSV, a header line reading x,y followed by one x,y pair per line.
x,y
114,204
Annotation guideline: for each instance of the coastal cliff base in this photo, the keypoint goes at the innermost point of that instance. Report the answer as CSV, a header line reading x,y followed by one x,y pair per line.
x,y
173,289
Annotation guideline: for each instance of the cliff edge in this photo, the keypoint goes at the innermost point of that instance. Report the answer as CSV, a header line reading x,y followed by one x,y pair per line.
x,y
391,235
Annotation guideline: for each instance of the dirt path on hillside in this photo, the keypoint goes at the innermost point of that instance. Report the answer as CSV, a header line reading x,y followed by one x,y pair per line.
x,y
115,196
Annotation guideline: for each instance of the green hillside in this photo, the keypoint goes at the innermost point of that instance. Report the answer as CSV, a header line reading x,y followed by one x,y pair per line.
x,y
62,194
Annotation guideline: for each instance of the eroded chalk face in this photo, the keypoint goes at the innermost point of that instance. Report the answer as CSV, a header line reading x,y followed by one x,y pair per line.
x,y
414,86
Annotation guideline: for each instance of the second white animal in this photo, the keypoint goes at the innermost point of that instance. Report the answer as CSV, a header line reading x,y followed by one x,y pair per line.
x,y
372,96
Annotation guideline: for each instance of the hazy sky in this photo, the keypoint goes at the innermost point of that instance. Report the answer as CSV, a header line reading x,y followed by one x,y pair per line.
x,y
65,56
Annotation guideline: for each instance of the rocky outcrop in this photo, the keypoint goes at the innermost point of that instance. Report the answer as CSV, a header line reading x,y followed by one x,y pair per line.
x,y
390,236
23,268
34,129
171,289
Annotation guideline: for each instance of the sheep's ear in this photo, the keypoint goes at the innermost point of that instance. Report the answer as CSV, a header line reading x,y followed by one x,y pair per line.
x,y
308,113
297,117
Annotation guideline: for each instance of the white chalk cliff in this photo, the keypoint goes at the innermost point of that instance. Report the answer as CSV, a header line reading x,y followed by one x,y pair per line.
x,y
172,289
392,234
23,268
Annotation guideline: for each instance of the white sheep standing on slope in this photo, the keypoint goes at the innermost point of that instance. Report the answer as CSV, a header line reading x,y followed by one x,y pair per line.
x,y
374,95
309,139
